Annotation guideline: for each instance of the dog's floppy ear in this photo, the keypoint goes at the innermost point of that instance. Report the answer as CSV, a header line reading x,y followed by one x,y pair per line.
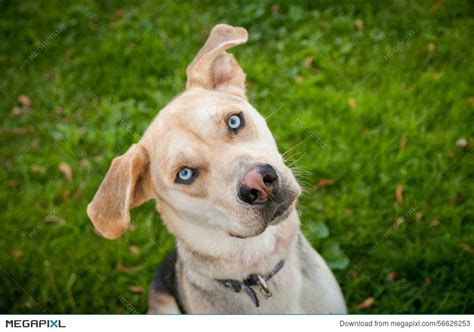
x,y
126,185
213,67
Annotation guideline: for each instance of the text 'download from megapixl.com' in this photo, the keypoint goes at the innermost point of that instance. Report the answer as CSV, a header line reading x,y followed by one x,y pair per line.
x,y
432,322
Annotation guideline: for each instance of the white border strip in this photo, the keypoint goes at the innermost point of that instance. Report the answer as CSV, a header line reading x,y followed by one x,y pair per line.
x,y
238,323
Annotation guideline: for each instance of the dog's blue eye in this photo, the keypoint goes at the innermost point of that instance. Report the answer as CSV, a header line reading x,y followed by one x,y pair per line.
x,y
235,122
186,175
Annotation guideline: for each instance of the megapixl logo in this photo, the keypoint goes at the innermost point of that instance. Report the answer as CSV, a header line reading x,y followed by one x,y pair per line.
x,y
34,323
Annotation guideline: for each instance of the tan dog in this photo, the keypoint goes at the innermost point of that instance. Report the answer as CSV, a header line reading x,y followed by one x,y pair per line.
x,y
223,190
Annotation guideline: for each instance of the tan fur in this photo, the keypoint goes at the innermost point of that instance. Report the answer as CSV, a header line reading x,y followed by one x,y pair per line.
x,y
206,217
160,303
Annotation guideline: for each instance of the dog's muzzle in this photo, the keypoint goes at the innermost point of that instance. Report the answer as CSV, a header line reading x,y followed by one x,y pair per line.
x,y
258,185
266,196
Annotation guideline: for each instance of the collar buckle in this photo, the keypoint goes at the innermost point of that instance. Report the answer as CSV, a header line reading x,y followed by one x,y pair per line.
x,y
263,286
252,280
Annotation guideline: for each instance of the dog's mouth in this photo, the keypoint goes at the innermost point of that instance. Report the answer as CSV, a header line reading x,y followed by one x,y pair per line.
x,y
272,214
278,209
281,213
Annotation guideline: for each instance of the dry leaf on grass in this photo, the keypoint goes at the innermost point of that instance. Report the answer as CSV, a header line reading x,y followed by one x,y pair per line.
x,y
79,191
35,168
119,12
65,194
30,303
399,194
461,143
55,219
66,170
85,163
391,276
437,6
366,303
17,254
359,24
22,130
355,274
365,132
24,100
431,47
308,61
324,182
12,183
34,144
275,8
352,102
134,250
470,99
403,143
16,111
136,289
467,248
418,216
122,268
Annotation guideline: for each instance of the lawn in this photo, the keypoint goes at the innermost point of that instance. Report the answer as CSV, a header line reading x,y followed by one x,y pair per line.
x,y
372,103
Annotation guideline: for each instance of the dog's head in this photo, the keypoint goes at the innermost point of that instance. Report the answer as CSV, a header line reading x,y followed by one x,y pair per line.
x,y
208,158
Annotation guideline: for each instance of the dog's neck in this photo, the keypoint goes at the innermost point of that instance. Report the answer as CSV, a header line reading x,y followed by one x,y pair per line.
x,y
215,254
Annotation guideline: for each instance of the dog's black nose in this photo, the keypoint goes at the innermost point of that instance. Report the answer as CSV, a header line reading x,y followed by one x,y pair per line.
x,y
258,185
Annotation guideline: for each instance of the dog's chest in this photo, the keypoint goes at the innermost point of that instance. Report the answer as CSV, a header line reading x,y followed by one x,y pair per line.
x,y
284,288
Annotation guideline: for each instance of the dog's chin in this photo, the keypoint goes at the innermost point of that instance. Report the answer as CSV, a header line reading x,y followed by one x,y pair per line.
x,y
246,236
248,232
279,215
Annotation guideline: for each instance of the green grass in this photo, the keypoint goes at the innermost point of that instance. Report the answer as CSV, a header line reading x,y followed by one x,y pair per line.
x,y
339,97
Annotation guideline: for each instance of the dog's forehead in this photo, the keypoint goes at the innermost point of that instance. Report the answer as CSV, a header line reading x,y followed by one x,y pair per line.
x,y
198,112
202,105
194,115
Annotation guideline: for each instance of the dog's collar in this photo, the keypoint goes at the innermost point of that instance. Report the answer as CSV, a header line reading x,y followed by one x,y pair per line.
x,y
253,279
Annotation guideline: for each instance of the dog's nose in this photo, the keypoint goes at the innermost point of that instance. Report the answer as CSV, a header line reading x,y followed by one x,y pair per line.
x,y
258,184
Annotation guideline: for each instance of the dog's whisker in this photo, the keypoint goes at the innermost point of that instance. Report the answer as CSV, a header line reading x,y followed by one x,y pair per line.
x,y
295,146
294,155
291,155
294,162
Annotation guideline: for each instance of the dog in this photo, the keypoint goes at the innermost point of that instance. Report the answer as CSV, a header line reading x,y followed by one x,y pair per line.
x,y
223,190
